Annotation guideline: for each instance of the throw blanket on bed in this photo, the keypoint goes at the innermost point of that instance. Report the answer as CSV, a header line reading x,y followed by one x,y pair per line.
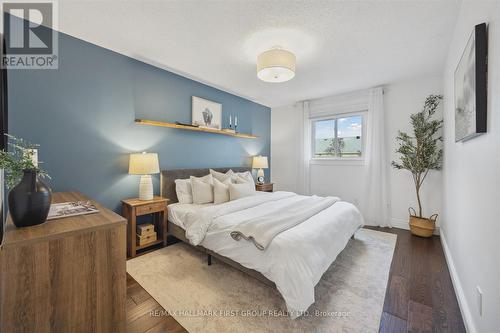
x,y
197,224
262,230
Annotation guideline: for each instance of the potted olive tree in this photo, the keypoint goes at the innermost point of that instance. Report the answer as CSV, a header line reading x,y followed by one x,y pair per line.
x,y
419,153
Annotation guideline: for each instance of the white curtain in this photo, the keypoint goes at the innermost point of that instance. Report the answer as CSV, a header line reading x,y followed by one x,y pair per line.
x,y
375,203
305,152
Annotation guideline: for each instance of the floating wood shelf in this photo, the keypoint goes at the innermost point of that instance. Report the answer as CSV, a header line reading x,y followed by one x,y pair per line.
x,y
191,128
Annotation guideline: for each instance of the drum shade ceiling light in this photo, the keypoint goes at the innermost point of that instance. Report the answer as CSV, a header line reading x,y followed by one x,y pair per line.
x,y
276,65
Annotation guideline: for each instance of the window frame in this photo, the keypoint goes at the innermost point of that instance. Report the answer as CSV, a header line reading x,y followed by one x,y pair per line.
x,y
340,160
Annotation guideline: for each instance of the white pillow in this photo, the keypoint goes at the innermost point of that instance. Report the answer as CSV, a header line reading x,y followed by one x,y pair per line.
x,y
237,191
208,178
202,189
243,177
221,190
221,176
184,191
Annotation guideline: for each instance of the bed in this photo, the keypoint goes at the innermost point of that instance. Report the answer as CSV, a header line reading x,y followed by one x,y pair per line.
x,y
293,262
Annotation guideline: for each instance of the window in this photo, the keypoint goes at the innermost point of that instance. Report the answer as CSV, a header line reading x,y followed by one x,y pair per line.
x,y
340,137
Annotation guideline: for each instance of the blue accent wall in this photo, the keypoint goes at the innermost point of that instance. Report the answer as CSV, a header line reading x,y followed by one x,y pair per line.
x,y
82,115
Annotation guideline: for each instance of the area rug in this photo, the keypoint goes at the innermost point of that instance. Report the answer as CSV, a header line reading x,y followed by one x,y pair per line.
x,y
219,298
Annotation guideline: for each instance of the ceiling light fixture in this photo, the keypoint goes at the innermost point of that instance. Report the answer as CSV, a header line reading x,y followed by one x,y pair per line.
x,y
276,65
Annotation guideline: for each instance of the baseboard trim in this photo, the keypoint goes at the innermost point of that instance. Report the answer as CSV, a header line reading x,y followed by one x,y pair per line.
x,y
457,286
403,224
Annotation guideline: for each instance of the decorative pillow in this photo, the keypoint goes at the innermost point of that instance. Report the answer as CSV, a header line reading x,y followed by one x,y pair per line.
x,y
207,178
184,191
221,176
221,190
202,189
243,177
237,191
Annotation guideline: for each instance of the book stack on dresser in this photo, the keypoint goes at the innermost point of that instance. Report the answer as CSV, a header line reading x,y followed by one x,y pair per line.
x,y
146,234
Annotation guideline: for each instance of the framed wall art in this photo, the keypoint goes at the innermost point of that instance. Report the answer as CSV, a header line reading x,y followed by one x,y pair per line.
x,y
471,78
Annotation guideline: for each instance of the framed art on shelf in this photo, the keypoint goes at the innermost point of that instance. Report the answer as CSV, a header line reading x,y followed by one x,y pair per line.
x,y
206,113
471,78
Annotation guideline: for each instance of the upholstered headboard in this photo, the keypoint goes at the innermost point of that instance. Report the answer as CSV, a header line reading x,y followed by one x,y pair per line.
x,y
168,177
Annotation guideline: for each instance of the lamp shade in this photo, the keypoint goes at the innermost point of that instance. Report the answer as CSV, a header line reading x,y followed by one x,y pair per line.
x,y
143,164
276,65
259,162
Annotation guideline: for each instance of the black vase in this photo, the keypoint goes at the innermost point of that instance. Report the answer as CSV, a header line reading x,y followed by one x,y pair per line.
x,y
29,201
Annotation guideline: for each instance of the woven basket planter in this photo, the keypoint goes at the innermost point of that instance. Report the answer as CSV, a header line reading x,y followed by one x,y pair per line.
x,y
422,227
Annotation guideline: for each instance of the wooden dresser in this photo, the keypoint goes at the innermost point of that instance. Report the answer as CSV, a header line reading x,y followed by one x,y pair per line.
x,y
66,275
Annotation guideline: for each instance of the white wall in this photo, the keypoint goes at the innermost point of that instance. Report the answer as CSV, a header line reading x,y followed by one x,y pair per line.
x,y
347,181
285,147
471,183
402,99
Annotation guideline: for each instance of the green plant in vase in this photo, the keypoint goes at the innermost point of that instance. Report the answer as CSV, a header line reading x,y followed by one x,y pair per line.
x,y
419,153
29,198
17,158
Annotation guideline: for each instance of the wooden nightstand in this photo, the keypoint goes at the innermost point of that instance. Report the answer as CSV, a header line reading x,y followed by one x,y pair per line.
x,y
266,187
132,208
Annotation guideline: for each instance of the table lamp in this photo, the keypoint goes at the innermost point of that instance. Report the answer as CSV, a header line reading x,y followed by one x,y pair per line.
x,y
144,164
260,162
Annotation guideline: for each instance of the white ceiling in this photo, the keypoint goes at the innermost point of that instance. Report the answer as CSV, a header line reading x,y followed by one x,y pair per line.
x,y
340,45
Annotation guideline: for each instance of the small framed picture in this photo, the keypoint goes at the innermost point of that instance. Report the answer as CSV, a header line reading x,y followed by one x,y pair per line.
x,y
206,113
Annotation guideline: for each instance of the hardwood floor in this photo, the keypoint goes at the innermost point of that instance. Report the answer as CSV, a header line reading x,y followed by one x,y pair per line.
x,y
144,313
419,296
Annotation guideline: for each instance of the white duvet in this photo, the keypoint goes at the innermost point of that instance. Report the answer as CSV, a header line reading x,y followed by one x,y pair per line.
x,y
296,258
261,230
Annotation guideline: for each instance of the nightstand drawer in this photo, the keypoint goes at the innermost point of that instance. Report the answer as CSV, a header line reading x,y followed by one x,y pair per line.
x,y
148,209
